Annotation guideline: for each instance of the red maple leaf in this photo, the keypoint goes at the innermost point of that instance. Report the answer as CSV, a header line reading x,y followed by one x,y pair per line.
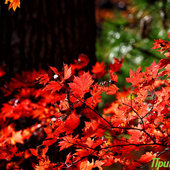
x,y
17,137
111,90
135,79
53,86
99,69
13,4
67,72
34,152
81,84
147,157
67,142
54,70
82,62
43,79
72,121
163,46
135,135
163,63
116,65
113,76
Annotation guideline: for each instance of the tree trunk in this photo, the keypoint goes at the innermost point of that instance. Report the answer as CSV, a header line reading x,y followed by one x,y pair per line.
x,y
46,32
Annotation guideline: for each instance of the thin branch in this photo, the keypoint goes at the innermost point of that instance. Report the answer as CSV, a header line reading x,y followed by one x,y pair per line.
x,y
140,119
135,144
113,127
96,112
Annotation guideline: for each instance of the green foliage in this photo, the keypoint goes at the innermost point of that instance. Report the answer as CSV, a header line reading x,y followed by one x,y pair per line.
x,y
122,36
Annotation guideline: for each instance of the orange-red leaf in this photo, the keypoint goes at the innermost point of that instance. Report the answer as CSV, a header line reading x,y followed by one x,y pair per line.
x,y
43,79
72,121
34,152
13,4
17,137
99,69
116,65
113,76
54,70
67,142
53,86
81,84
146,157
67,72
111,90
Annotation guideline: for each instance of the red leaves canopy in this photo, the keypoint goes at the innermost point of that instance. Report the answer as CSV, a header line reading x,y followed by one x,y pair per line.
x,y
61,120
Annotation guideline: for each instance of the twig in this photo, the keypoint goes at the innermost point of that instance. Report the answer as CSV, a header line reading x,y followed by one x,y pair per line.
x,y
140,119
100,114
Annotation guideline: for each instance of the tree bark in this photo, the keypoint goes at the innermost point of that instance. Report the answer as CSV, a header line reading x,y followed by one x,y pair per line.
x,y
46,32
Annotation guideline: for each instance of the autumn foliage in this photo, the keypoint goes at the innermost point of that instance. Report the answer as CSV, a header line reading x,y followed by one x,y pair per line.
x,y
49,120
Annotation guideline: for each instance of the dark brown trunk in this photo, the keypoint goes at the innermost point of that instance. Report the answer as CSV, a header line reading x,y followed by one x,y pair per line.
x,y
46,32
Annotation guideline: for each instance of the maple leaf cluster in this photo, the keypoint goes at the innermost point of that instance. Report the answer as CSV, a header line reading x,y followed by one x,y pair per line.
x,y
49,120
